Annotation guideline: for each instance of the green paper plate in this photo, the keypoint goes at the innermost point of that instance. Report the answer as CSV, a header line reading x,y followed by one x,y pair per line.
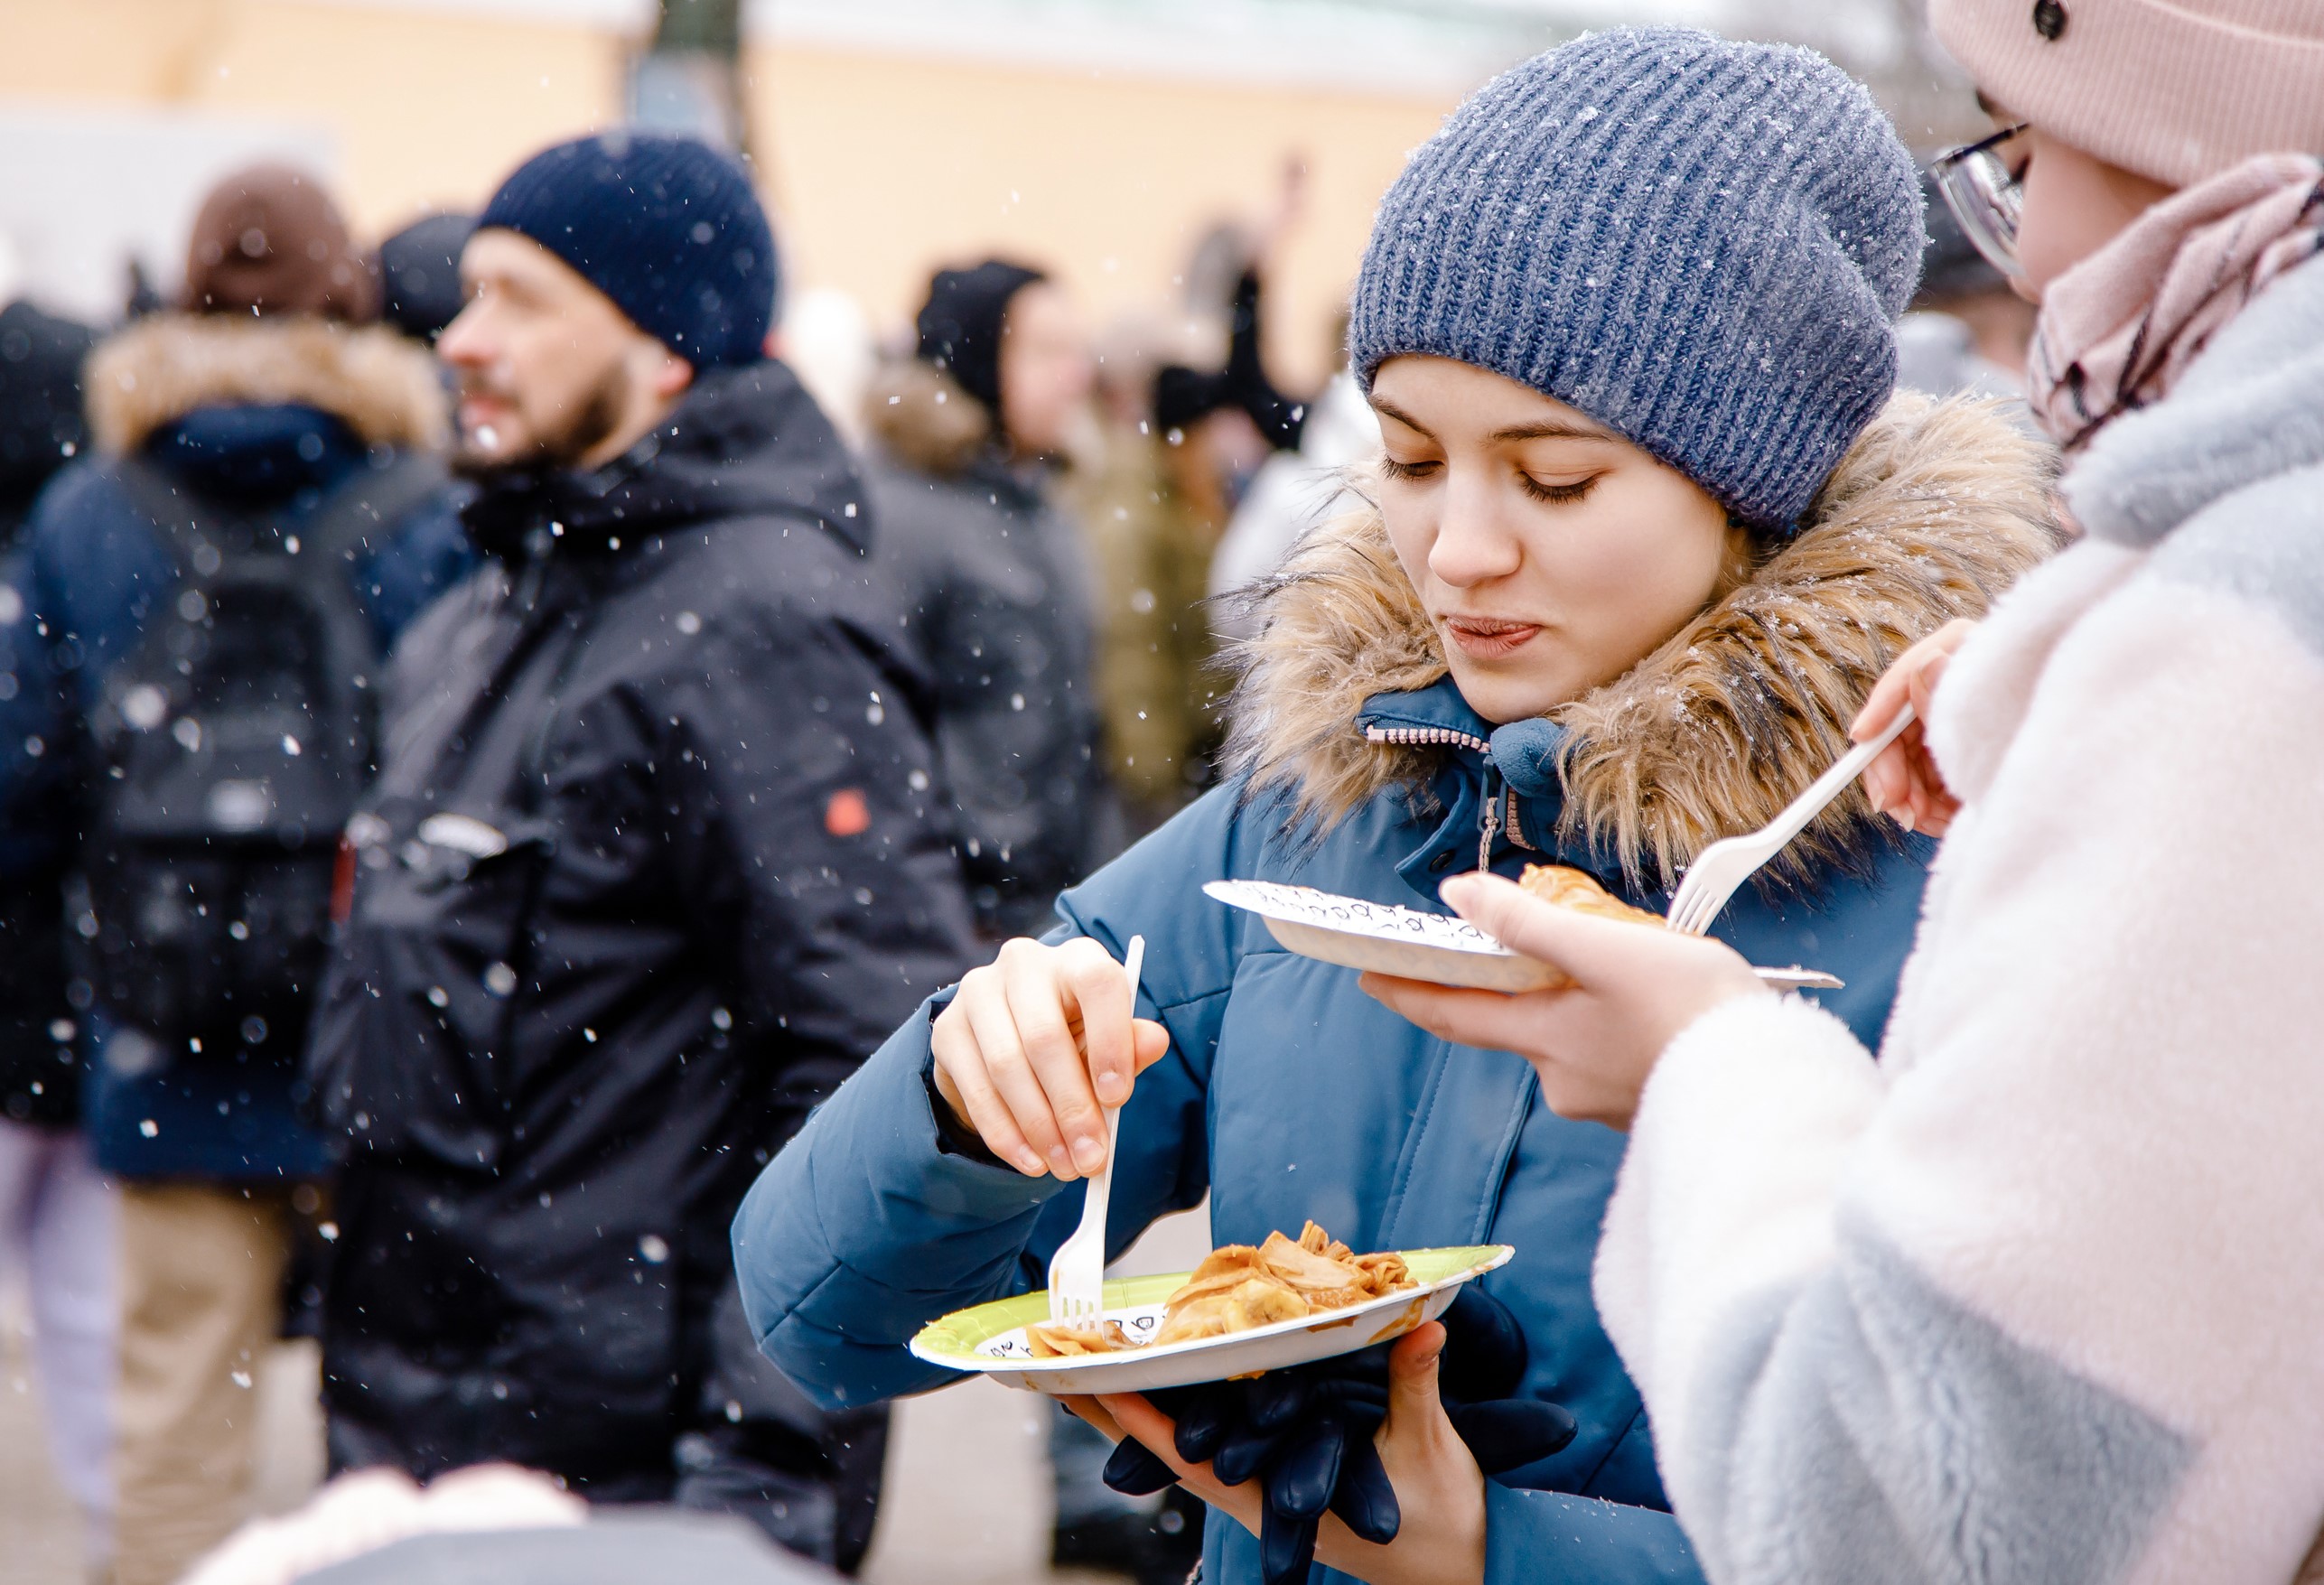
x,y
964,1341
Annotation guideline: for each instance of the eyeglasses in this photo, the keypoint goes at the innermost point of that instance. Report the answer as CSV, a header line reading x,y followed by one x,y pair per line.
x,y
1985,196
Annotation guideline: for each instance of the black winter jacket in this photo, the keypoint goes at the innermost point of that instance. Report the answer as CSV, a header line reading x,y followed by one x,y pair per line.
x,y
999,590
657,857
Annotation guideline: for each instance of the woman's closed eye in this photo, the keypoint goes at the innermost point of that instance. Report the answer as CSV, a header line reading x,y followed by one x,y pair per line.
x,y
1424,468
1557,494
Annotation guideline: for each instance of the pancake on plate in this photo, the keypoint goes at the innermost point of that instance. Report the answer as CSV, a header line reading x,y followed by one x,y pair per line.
x,y
1240,1286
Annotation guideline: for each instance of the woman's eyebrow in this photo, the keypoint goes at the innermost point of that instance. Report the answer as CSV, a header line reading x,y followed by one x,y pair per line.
x,y
1390,410
1549,429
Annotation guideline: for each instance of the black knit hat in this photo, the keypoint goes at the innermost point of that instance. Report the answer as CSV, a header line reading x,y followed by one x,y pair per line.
x,y
419,274
960,325
666,226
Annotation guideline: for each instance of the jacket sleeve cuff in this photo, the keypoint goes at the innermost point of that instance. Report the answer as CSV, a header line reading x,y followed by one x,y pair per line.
x,y
1532,1537
862,1229
952,1137
963,1174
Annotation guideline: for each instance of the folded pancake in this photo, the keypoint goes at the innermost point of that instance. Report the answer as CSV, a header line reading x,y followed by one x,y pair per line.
x,y
1574,888
1240,1286
1254,1301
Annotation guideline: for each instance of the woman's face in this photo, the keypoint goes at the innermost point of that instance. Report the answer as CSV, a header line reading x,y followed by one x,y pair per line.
x,y
2073,204
1552,554
1045,371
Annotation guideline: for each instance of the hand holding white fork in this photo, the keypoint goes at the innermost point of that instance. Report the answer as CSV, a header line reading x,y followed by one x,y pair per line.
x,y
1723,866
1076,1272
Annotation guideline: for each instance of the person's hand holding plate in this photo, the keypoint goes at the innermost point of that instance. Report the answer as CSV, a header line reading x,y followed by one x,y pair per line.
x,y
1593,1043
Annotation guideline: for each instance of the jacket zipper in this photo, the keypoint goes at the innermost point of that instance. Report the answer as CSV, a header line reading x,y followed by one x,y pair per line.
x,y
1510,822
1489,819
1425,737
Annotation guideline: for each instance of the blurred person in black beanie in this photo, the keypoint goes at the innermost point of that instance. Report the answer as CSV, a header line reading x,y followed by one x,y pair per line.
x,y
1184,396
655,858
962,325
969,435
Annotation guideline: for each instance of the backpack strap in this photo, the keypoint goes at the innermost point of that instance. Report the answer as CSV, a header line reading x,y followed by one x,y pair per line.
x,y
184,516
372,500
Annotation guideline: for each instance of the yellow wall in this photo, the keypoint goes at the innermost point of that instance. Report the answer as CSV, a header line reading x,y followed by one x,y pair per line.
x,y
883,168
878,167
430,107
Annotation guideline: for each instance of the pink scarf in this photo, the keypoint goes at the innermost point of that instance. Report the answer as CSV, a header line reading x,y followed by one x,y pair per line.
x,y
2118,328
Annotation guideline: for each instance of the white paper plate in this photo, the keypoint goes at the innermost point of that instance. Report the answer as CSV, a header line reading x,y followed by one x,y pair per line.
x,y
1384,939
989,1339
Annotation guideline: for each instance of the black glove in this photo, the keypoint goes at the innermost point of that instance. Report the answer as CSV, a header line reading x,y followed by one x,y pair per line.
x,y
1308,1432
1183,396
1484,1348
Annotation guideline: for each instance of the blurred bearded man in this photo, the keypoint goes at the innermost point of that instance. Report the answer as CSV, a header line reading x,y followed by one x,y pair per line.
x,y
655,858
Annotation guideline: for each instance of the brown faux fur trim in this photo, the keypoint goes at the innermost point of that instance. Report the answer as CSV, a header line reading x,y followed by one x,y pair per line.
x,y
161,368
923,418
1934,511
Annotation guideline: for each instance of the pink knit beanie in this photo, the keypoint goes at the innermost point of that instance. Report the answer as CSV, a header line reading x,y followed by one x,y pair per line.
x,y
2174,89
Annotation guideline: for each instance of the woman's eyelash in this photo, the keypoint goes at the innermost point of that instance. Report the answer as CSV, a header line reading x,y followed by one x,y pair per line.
x,y
1556,492
1553,493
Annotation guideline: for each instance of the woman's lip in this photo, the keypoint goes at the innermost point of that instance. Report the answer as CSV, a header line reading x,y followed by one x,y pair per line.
x,y
1489,638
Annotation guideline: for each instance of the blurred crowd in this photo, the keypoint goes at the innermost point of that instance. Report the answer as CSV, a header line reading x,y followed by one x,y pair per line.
x,y
497,723
223,514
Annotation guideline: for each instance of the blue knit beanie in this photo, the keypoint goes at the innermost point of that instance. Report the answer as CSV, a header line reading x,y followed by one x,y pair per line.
x,y
1698,243
666,226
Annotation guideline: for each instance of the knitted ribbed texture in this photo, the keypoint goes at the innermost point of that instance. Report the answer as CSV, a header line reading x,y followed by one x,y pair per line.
x,y
1698,243
2175,89
666,226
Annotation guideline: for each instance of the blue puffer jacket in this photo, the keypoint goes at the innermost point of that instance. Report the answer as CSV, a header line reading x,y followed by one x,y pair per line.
x,y
177,393
1289,1094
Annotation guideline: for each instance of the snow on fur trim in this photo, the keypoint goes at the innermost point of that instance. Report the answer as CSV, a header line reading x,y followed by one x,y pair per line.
x,y
925,419
1934,511
161,368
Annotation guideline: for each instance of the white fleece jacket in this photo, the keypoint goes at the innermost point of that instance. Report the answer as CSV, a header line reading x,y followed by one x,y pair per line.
x,y
2039,1298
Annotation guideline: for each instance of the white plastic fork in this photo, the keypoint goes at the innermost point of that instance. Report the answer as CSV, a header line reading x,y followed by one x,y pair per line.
x,y
1726,865
1076,1272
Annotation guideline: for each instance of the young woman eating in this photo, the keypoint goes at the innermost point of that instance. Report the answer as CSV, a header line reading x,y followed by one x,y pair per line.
x,y
1647,529
2034,1297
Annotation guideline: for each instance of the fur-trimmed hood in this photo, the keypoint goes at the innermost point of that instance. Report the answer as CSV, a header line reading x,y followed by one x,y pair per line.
x,y
924,419
159,369
1935,511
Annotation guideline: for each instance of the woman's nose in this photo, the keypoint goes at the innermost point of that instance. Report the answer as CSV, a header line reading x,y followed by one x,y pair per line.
x,y
1472,545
